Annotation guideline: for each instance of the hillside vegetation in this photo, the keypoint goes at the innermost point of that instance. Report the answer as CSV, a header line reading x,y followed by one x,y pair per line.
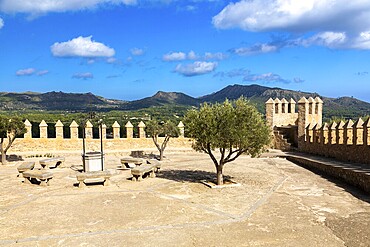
x,y
166,104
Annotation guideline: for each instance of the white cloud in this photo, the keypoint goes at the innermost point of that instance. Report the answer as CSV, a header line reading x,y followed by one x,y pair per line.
x,y
255,49
215,56
1,23
234,73
25,72
263,78
307,15
42,72
174,56
196,68
267,78
334,23
329,39
191,55
111,60
37,7
31,71
137,51
81,47
83,76
362,41
298,80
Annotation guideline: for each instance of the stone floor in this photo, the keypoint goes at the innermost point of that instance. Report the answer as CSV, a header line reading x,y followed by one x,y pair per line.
x,y
277,204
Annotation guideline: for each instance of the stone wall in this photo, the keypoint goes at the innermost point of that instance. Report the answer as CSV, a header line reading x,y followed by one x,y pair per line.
x,y
75,143
346,141
352,176
281,112
49,145
349,141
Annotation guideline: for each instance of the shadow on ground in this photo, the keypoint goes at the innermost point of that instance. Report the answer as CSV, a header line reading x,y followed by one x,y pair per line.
x,y
193,176
353,190
13,157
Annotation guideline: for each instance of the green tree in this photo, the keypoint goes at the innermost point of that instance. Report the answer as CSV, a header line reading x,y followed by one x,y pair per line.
x,y
163,129
233,128
10,128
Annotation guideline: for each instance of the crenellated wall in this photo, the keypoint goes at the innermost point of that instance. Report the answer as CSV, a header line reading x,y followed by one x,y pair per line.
x,y
74,142
281,112
347,141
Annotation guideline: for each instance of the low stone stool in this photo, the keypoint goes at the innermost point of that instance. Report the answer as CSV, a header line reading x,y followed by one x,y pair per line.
x,y
52,162
44,176
139,172
93,177
25,166
155,163
130,162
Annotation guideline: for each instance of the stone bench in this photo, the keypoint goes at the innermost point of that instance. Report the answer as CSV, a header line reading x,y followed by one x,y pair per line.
x,y
94,177
52,162
155,163
25,166
137,153
144,170
44,176
130,162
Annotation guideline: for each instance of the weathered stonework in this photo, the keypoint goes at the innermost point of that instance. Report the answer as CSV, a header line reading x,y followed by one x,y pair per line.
x,y
129,130
141,130
59,129
43,129
347,141
45,144
88,130
74,130
116,130
181,129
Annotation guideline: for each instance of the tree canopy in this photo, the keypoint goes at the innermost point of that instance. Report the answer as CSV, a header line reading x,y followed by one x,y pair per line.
x,y
233,128
10,128
161,129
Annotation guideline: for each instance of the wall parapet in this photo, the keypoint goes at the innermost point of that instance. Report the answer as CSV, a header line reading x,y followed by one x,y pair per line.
x,y
347,141
88,130
74,142
281,112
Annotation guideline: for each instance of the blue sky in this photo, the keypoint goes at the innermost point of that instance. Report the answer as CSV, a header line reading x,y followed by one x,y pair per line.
x,y
129,49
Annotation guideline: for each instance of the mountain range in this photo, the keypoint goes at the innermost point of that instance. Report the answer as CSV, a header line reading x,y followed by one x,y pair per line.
x,y
345,107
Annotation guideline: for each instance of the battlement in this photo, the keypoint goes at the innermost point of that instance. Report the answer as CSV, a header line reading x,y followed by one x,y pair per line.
x,y
348,141
59,138
281,112
88,130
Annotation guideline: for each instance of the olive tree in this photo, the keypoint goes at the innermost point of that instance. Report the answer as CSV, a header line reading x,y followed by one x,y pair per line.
x,y
10,128
162,129
233,128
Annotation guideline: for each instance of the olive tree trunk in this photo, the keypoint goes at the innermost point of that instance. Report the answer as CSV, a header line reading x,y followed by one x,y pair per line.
x,y
160,147
220,176
3,154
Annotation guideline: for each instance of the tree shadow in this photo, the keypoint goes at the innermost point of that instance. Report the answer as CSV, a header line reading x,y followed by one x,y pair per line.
x,y
146,156
13,157
193,176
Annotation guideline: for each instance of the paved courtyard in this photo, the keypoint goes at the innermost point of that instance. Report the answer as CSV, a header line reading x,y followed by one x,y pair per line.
x,y
277,204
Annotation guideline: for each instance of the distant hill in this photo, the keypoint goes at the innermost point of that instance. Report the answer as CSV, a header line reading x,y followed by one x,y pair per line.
x,y
163,98
56,101
346,107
